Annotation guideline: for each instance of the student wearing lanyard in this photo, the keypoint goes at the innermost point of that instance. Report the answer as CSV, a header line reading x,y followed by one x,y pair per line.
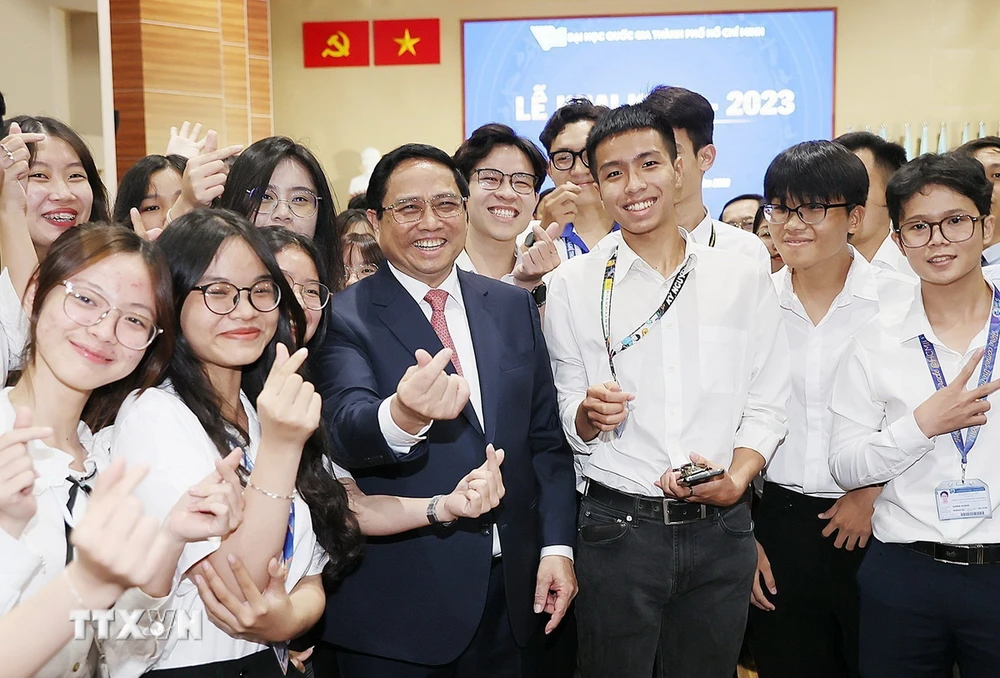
x,y
236,313
664,353
811,534
693,120
575,203
910,405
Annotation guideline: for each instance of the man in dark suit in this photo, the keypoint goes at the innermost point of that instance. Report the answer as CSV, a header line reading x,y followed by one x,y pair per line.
x,y
423,365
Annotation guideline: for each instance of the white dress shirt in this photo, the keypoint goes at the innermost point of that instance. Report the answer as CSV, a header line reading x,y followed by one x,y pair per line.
x,y
156,428
882,379
992,255
13,327
729,237
401,441
464,262
711,375
888,257
802,461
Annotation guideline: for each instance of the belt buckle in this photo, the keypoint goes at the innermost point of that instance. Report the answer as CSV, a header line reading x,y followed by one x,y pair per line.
x,y
941,553
703,510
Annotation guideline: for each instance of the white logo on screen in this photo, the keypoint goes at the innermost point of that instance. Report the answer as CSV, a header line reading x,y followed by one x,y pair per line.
x,y
549,36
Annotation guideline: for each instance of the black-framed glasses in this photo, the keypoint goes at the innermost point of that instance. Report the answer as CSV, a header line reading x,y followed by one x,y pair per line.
x,y
222,298
85,306
312,295
302,204
411,210
361,271
492,179
956,228
565,159
811,213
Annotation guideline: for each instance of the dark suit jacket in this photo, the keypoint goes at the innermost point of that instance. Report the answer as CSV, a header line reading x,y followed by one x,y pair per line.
x,y
419,596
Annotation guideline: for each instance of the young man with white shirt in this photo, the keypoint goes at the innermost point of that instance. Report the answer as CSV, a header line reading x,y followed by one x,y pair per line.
x,y
574,203
881,158
987,151
504,172
811,534
693,120
910,403
664,353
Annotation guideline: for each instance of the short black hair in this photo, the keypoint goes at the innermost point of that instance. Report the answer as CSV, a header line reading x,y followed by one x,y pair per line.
x,y
358,202
482,142
976,145
626,119
134,185
960,172
817,171
685,110
889,156
574,110
746,196
3,108
379,181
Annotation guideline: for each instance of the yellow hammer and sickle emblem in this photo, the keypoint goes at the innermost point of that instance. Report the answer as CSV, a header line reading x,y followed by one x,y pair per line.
x,y
338,45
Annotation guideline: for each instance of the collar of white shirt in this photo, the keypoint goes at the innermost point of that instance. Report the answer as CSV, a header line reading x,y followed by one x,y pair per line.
x,y
992,254
889,257
464,262
418,290
916,323
628,259
860,283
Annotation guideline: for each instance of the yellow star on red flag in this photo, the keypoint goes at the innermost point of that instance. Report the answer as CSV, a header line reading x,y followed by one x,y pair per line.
x,y
406,43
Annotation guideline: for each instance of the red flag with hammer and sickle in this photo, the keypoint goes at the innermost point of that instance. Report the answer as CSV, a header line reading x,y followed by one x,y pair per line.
x,y
335,43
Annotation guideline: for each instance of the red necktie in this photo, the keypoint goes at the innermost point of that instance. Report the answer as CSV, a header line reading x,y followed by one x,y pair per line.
x,y
437,300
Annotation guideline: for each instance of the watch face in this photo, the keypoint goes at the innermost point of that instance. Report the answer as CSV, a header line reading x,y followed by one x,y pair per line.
x,y
539,294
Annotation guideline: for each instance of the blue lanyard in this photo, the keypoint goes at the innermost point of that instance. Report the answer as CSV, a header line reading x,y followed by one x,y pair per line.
x,y
964,445
287,547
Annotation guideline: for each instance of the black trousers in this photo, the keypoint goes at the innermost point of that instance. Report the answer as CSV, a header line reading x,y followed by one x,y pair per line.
x,y
658,600
263,664
813,630
919,617
492,652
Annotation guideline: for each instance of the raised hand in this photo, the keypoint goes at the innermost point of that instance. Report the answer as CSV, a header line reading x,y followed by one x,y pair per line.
x,y
560,205
17,473
212,508
288,406
953,407
426,392
604,408
478,492
140,228
204,177
541,258
185,142
14,161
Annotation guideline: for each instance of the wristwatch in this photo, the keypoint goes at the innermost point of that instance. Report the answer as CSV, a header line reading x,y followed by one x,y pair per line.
x,y
538,294
432,512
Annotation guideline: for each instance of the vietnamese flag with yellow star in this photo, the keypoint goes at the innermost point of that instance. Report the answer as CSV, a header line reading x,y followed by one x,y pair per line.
x,y
400,42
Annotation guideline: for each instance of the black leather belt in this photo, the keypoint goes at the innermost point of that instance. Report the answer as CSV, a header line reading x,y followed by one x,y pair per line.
x,y
670,511
976,554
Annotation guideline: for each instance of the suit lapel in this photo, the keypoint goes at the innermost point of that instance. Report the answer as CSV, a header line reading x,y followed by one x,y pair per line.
x,y
485,342
401,314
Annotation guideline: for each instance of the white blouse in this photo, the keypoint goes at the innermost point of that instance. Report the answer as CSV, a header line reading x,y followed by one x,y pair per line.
x,y
158,429
13,327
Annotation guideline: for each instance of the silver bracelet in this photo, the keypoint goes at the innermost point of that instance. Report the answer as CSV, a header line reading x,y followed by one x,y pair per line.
x,y
272,495
72,589
432,517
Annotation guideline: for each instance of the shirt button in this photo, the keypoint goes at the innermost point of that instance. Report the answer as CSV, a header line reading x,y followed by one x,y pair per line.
x,y
673,410
76,667
671,369
486,532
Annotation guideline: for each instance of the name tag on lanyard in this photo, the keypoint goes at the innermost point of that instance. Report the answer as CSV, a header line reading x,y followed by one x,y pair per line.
x,y
607,290
965,498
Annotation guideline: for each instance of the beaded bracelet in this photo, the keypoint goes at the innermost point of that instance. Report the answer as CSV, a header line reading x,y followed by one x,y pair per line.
x,y
272,495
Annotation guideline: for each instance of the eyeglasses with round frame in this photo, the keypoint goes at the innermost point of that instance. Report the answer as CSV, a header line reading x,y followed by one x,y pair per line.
x,y
564,159
302,204
312,295
810,213
85,306
411,210
222,298
746,223
361,271
954,229
492,179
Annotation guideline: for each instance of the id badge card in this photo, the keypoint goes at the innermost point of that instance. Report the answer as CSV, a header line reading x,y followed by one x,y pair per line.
x,y
620,429
281,651
957,500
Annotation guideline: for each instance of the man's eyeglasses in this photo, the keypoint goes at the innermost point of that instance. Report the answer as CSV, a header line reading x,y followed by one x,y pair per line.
x,y
564,159
84,306
810,213
302,204
222,298
492,179
411,210
956,228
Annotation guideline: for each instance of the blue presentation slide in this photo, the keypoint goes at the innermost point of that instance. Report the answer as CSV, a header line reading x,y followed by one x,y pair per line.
x,y
768,75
